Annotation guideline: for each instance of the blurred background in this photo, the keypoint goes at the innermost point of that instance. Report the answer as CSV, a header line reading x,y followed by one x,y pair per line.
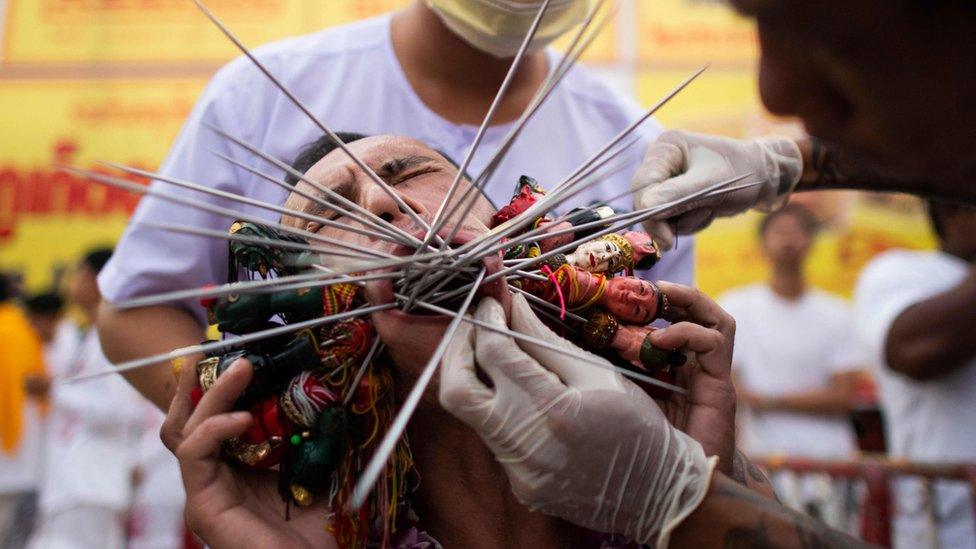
x,y
88,80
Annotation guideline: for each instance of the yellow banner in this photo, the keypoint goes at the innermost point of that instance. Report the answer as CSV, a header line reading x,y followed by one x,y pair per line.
x,y
693,32
48,217
60,31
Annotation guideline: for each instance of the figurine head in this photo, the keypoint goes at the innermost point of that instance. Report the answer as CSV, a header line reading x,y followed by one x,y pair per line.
x,y
616,252
631,299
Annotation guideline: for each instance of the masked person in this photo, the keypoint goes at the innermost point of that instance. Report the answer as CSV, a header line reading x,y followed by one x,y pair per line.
x,y
429,71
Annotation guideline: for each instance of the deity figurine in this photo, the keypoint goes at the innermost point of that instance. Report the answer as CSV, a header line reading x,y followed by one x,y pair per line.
x,y
277,416
527,193
629,298
271,371
604,332
252,255
244,313
616,252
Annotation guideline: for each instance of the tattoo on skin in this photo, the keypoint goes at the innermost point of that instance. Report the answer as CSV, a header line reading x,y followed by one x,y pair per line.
x,y
834,166
806,532
742,537
741,466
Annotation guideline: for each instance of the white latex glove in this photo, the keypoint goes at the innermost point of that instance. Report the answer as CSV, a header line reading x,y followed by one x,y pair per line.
x,y
679,163
577,441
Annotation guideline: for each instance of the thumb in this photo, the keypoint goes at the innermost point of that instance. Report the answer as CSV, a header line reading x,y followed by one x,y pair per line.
x,y
461,392
508,366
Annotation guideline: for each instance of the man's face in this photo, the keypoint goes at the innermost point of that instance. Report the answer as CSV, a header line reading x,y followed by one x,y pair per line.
x,y
83,287
786,242
888,81
422,178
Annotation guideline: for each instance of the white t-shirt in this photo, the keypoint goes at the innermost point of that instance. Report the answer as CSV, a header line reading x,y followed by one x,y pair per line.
x,y
350,77
95,428
784,347
931,420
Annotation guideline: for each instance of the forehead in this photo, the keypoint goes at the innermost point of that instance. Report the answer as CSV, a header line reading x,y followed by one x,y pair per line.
x,y
374,151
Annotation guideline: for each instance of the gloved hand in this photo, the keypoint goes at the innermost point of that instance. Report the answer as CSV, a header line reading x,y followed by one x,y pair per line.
x,y
679,163
578,441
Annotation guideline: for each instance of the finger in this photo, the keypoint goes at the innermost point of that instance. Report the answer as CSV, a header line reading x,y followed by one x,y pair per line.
x,y
180,408
507,365
662,160
221,397
575,373
686,303
461,392
710,347
199,453
661,233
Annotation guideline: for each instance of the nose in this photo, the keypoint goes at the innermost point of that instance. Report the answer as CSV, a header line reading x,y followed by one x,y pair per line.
x,y
380,203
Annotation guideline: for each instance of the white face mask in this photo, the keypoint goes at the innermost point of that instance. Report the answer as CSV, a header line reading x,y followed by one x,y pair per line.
x,y
498,27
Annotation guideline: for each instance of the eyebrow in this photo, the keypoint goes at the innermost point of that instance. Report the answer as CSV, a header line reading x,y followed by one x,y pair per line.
x,y
393,167
389,170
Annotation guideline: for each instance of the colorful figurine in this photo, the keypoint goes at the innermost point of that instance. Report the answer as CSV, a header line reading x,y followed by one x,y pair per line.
x,y
616,252
629,298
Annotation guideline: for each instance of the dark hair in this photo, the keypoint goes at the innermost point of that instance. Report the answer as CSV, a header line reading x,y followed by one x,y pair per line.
x,y
807,220
6,287
48,303
97,258
316,150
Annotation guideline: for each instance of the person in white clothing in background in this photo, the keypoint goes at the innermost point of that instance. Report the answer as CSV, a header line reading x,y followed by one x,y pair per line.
x,y
96,424
156,513
795,361
916,316
429,71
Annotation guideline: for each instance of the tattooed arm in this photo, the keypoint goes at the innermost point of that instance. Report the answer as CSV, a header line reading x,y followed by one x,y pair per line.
x,y
734,516
827,167
751,476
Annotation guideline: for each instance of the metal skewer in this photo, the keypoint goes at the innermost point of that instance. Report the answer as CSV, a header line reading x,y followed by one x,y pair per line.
x,y
585,357
318,186
376,464
301,106
218,345
214,209
248,200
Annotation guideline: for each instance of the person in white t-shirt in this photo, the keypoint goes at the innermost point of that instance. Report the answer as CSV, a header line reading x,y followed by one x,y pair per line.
x,y
87,487
794,359
428,71
794,363
916,316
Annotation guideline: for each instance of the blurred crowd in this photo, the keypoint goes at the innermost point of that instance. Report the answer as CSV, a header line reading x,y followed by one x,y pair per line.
x,y
82,464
